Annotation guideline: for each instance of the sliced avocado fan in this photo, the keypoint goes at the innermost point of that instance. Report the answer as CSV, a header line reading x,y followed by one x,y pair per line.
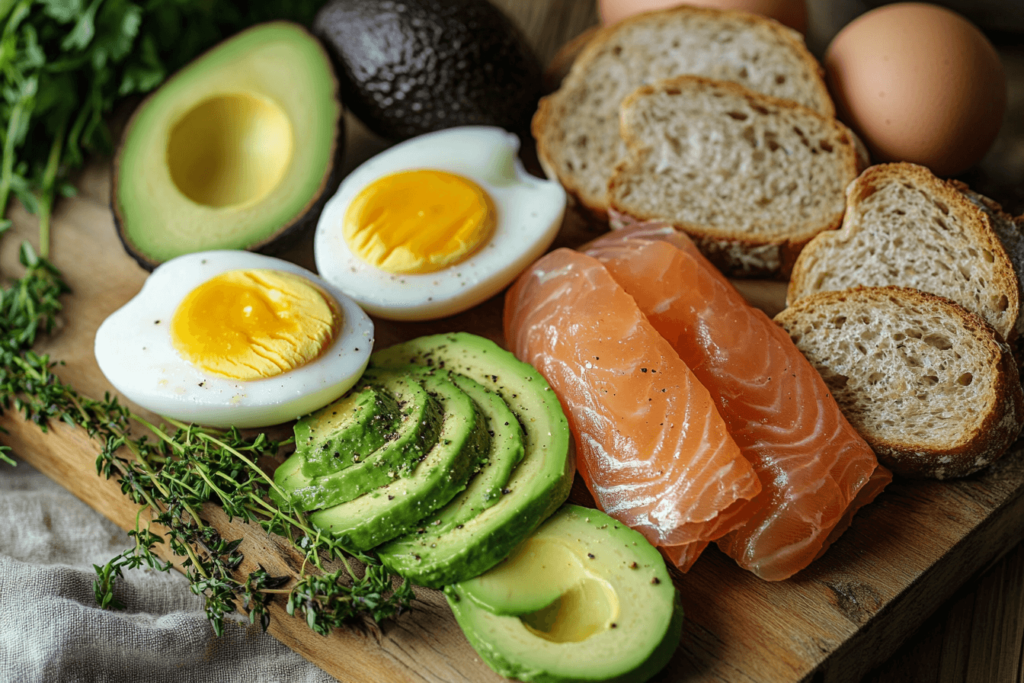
x,y
401,450
485,489
237,150
398,507
471,537
339,435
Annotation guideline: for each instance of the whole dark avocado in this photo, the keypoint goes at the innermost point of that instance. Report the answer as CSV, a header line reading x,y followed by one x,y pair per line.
x,y
409,67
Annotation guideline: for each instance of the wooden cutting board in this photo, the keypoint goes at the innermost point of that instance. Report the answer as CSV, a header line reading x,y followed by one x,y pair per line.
x,y
904,555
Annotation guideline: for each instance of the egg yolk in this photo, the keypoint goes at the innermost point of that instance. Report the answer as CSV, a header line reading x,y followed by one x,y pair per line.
x,y
254,324
418,221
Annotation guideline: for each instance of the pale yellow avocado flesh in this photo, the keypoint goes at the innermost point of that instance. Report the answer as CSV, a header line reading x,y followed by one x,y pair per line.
x,y
234,148
541,572
588,607
229,151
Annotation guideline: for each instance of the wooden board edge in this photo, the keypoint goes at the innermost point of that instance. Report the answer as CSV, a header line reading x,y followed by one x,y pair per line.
x,y
875,642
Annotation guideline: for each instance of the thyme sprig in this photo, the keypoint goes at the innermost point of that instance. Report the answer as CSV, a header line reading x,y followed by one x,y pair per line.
x,y
172,471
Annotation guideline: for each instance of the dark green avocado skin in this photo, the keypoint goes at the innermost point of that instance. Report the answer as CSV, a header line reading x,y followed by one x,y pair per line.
x,y
409,67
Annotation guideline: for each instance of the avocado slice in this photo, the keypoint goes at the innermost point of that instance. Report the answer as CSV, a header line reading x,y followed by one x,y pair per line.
x,y
402,449
486,487
612,612
506,451
238,150
343,433
538,485
398,507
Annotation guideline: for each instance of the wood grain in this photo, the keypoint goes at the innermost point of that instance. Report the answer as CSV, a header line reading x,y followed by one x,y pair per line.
x,y
903,557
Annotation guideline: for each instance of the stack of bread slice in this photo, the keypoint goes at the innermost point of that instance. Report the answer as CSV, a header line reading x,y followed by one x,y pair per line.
x,y
928,379
716,122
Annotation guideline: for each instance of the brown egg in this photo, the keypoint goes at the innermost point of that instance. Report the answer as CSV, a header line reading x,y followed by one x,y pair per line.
x,y
919,83
792,13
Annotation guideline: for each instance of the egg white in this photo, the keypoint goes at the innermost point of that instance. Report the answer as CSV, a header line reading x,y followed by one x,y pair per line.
x,y
135,352
529,213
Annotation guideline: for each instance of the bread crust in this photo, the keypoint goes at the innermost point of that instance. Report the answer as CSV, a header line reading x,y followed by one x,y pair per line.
x,y
1003,405
733,253
546,118
978,227
1010,233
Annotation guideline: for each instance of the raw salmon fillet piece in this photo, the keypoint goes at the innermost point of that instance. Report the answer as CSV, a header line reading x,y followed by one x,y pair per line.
x,y
651,446
815,469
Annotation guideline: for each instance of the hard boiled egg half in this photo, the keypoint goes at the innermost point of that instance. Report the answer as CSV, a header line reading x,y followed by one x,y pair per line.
x,y
231,338
436,224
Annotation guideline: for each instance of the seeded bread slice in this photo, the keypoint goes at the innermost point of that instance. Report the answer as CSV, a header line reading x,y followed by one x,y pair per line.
x,y
750,178
577,127
928,384
903,226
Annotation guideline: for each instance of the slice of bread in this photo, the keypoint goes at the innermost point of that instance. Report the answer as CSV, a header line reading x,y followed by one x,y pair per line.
x,y
928,384
903,226
750,178
577,127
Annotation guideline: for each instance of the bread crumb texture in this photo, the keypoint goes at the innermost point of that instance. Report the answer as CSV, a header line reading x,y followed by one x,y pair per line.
x,y
904,226
730,163
926,383
577,127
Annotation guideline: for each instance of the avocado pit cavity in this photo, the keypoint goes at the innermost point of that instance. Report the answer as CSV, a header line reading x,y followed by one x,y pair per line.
x,y
589,607
549,585
230,150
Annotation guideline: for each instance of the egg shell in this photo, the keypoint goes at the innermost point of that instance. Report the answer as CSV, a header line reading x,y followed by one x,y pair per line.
x,y
529,214
792,13
135,352
918,83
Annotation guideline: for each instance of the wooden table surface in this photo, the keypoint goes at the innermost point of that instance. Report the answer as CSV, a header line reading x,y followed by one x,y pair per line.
x,y
978,635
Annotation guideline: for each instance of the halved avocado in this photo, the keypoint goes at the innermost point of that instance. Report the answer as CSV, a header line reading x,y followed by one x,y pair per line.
x,y
238,150
585,598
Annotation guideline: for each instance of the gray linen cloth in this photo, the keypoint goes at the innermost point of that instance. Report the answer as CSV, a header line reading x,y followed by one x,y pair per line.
x,y
52,631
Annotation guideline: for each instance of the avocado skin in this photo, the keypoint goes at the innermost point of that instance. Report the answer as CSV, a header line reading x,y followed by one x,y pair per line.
x,y
290,233
414,66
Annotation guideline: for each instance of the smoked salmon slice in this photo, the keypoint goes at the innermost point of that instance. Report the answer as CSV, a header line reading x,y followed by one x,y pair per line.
x,y
815,468
651,446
